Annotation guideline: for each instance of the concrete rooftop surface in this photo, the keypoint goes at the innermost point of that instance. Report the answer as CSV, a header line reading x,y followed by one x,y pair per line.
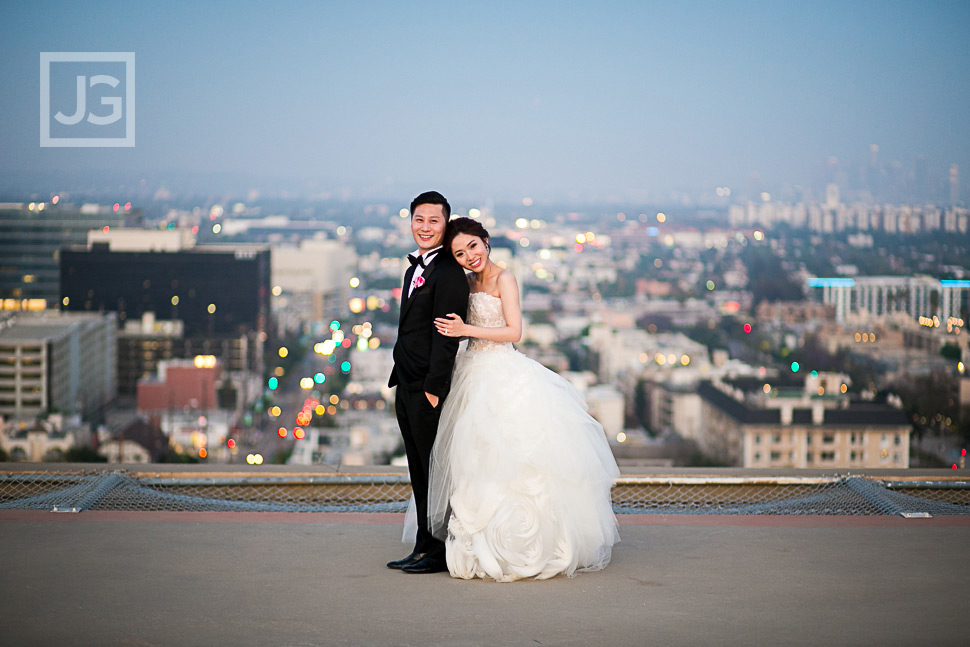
x,y
288,579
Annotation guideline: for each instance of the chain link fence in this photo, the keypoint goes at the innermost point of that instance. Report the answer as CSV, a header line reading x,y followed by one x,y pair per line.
x,y
118,489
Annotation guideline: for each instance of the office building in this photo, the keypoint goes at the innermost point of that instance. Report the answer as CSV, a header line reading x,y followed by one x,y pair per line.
x,y
916,296
220,295
57,362
752,423
31,237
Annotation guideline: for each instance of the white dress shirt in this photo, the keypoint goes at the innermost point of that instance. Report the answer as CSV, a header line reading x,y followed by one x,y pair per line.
x,y
419,270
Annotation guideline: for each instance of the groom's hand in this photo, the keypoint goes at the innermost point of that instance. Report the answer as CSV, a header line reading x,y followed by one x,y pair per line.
x,y
433,399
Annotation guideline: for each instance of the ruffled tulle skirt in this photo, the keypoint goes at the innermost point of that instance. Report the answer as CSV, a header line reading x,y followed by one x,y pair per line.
x,y
521,473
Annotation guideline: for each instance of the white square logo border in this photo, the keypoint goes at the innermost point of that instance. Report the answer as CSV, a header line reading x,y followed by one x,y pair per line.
x,y
46,141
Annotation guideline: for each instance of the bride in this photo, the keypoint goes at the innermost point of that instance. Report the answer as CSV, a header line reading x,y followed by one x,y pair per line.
x,y
521,474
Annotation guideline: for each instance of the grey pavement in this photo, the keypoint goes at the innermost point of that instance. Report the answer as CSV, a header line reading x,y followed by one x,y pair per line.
x,y
214,579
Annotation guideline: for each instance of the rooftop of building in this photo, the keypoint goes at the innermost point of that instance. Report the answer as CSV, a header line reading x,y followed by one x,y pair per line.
x,y
211,249
287,578
855,413
41,326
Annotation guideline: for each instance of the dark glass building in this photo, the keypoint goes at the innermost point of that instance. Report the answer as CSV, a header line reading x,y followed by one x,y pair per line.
x,y
221,295
215,292
31,236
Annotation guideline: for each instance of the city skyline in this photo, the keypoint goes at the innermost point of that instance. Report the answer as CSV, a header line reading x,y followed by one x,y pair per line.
x,y
616,102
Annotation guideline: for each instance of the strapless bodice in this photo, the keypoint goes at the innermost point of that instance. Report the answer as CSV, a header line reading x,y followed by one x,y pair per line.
x,y
485,311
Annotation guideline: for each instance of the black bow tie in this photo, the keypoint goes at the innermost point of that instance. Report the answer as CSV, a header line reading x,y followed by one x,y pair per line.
x,y
420,260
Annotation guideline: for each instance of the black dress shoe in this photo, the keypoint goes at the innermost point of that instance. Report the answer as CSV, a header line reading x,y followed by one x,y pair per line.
x,y
426,565
410,559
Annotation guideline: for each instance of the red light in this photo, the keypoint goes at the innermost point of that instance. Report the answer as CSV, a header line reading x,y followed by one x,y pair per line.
x,y
963,452
105,229
127,206
954,466
203,453
747,328
577,247
298,433
282,432
231,444
115,207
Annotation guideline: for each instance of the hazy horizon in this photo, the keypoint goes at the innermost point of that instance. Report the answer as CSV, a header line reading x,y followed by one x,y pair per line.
x,y
611,102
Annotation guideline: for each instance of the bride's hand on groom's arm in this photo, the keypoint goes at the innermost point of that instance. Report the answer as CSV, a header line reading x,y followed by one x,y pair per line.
x,y
450,326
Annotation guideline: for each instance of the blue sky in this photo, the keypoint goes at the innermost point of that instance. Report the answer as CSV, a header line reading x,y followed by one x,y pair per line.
x,y
550,99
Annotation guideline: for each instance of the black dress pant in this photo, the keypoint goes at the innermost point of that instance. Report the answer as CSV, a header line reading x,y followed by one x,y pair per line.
x,y
419,426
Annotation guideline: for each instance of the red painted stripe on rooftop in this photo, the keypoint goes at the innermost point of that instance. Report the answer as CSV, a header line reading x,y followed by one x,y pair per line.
x,y
394,518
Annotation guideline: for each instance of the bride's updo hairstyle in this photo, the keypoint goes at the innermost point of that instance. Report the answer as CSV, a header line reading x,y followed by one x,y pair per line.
x,y
464,226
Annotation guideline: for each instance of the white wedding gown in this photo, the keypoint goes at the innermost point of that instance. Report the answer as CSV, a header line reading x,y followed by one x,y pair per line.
x,y
521,473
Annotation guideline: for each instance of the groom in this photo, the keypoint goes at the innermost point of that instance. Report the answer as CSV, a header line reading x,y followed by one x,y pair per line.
x,y
434,286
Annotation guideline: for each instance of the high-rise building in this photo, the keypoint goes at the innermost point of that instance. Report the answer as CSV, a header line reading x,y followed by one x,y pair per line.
x,y
954,184
832,199
315,276
921,176
221,295
874,173
213,291
56,362
31,236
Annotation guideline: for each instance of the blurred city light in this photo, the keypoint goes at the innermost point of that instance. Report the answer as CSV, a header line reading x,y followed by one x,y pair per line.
x,y
204,361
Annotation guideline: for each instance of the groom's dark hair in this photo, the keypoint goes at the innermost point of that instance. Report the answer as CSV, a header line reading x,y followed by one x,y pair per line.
x,y
432,197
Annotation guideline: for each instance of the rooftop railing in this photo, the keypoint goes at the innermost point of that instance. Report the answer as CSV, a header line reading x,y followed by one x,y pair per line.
x,y
213,488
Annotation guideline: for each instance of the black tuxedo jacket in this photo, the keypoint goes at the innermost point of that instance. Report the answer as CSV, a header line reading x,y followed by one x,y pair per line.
x,y
423,358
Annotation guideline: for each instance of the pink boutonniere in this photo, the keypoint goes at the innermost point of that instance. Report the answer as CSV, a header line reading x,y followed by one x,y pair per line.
x,y
418,282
